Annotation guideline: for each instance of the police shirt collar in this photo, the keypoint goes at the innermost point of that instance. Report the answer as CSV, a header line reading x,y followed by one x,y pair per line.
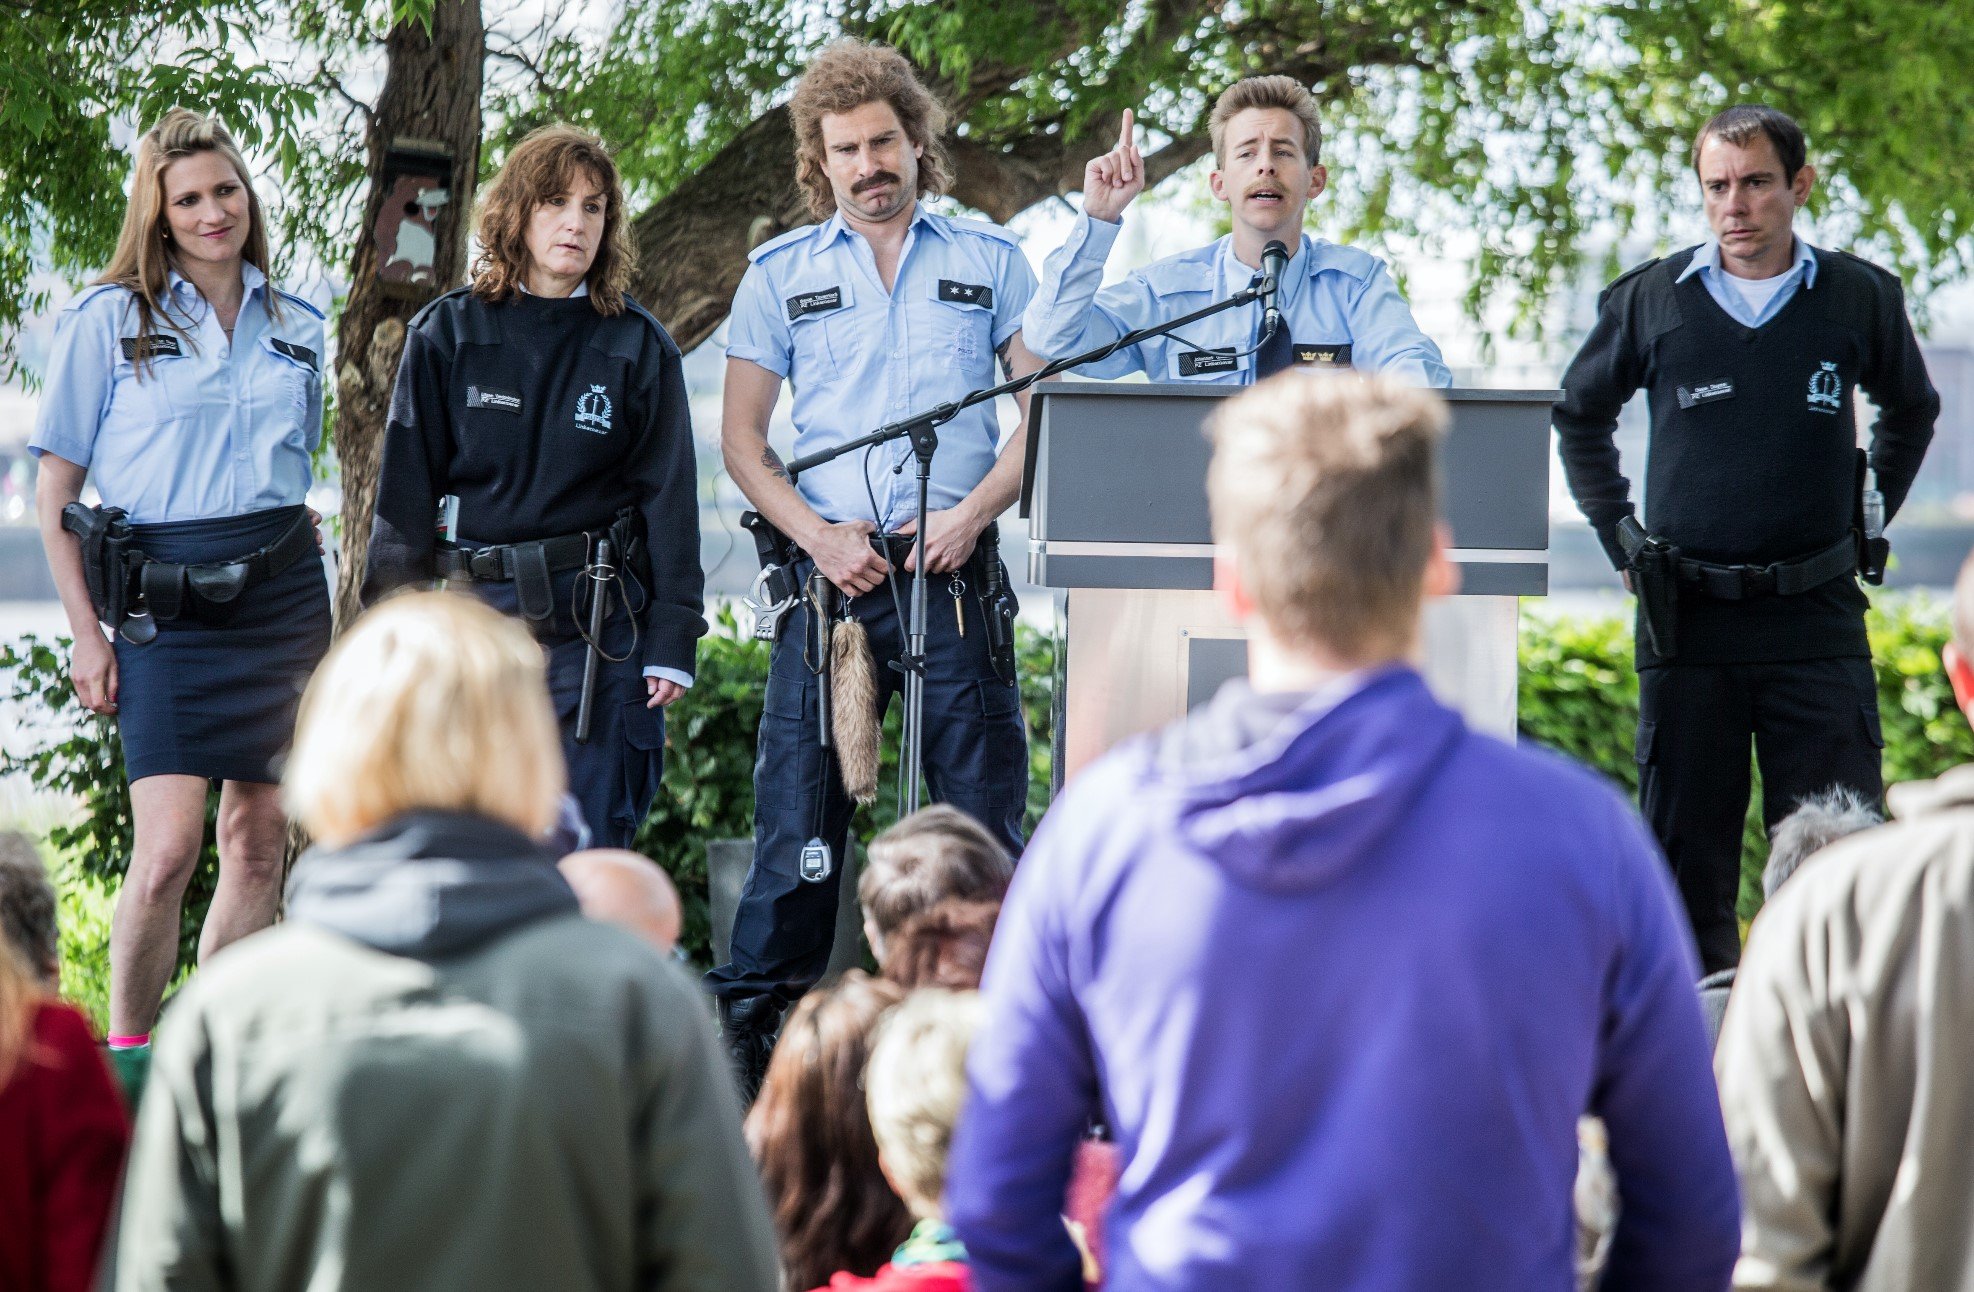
x,y
1707,257
837,227
251,280
1236,274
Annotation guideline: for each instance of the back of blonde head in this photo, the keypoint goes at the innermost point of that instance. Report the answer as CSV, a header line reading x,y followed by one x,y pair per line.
x,y
432,701
1323,485
916,1084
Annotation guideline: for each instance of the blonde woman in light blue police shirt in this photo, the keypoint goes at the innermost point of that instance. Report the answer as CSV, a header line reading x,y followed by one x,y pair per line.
x,y
188,388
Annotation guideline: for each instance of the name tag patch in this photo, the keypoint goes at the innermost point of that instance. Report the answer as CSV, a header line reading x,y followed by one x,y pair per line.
x,y
1195,362
154,346
966,293
1323,356
502,401
299,353
815,303
1705,392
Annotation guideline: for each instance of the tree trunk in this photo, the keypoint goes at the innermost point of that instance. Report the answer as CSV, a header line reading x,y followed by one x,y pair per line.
x,y
431,93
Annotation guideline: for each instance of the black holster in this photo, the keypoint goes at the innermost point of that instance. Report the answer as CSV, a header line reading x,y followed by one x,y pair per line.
x,y
1655,578
104,533
997,602
777,553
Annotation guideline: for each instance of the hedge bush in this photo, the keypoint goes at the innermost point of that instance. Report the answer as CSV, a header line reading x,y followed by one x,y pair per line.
x,y
1578,695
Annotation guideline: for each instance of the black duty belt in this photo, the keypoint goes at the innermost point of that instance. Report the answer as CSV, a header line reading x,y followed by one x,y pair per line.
x,y
504,562
1749,582
167,586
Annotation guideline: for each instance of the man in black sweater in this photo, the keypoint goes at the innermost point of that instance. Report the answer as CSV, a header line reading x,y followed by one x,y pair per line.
x,y
1750,349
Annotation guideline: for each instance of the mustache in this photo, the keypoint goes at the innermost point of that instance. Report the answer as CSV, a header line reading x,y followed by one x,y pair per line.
x,y
882,177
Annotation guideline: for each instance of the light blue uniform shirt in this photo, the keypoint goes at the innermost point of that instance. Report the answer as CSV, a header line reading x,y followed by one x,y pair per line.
x,y
1339,304
1706,263
812,308
215,428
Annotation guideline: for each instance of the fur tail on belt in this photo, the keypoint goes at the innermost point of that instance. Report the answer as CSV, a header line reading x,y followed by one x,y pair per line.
x,y
855,725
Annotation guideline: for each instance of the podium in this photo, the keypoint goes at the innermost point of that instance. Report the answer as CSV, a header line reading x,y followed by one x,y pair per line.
x,y
1118,520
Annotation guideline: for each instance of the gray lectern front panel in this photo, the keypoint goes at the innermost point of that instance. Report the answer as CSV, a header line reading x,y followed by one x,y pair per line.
x,y
1120,486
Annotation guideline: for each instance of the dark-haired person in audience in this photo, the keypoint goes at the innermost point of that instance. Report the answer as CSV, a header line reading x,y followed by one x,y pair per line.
x,y
811,1136
1819,821
937,854
915,1086
436,1074
1843,1059
944,946
1340,973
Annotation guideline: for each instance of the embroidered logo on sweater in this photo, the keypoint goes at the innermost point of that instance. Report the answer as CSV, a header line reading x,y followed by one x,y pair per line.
x,y
1826,390
593,411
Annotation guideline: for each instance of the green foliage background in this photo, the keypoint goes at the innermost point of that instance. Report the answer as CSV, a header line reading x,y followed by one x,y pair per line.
x,y
1578,695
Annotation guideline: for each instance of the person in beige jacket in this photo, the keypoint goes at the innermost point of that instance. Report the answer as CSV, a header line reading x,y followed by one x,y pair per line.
x,y
1846,1059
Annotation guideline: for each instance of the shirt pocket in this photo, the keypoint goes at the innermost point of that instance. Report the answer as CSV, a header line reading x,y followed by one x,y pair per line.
x,y
960,317
821,345
166,389
288,378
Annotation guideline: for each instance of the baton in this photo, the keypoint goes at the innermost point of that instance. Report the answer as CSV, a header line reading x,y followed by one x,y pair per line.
x,y
599,573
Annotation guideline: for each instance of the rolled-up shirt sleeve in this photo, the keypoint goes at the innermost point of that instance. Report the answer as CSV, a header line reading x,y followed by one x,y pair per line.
x,y
75,392
755,331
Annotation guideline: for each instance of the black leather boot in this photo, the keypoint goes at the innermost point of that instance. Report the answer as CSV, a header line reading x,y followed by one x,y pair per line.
x,y
748,1028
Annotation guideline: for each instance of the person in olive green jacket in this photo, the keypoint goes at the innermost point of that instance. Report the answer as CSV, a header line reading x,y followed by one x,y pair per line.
x,y
436,1074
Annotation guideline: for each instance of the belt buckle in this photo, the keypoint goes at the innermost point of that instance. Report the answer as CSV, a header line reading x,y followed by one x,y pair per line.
x,y
1757,580
484,564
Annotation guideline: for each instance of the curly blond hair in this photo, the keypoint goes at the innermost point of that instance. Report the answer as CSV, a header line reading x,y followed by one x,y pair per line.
x,y
844,76
546,164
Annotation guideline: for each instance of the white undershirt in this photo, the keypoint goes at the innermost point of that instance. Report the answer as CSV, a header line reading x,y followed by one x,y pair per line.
x,y
1755,292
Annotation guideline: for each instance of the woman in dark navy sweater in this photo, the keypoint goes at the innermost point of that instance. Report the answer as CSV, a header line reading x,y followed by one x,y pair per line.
x,y
550,407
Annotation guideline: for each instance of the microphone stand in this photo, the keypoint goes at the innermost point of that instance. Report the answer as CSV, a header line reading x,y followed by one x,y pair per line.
x,y
922,429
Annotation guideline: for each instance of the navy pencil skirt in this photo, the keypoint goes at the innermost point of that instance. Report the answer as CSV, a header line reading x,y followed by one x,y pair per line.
x,y
215,693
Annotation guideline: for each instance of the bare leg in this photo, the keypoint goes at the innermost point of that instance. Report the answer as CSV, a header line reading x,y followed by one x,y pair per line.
x,y
169,814
253,840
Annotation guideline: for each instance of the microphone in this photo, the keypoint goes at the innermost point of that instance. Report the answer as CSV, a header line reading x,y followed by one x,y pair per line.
x,y
1274,262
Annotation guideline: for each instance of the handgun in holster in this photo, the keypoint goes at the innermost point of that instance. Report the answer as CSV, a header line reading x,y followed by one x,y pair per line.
x,y
107,547
997,603
776,588
1654,566
1874,550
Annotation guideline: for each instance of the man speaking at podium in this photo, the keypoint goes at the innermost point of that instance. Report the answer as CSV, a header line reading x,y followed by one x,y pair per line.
x,y
1339,306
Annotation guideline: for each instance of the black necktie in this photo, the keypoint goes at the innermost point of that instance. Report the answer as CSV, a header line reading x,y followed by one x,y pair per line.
x,y
1275,354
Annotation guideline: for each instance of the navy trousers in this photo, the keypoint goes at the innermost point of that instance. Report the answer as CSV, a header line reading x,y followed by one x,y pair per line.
x,y
1813,725
976,759
614,775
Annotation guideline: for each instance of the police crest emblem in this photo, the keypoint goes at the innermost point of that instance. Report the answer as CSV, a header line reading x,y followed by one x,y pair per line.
x,y
593,411
1826,389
